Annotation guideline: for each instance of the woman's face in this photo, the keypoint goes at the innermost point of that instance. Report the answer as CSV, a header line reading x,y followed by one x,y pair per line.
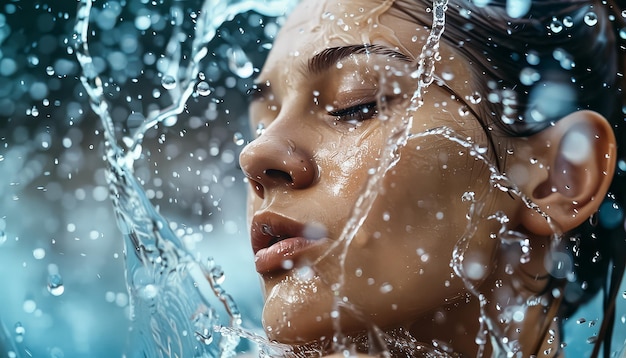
x,y
318,106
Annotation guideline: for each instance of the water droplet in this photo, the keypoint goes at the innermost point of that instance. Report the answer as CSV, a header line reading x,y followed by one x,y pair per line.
x,y
203,323
447,75
260,129
581,320
19,332
622,33
463,111
568,21
168,82
238,139
528,76
517,8
591,18
203,88
239,63
576,147
556,25
386,288
217,274
475,98
39,253
287,264
148,292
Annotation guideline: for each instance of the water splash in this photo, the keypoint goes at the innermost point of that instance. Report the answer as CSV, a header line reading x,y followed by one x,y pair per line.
x,y
494,328
389,158
168,286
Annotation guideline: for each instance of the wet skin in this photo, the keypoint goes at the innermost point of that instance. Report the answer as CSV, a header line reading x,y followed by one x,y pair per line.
x,y
319,100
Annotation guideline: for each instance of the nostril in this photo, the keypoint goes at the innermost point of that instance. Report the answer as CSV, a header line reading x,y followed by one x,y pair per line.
x,y
279,175
257,187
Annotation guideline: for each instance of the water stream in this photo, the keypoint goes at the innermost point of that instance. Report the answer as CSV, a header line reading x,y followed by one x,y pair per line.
x,y
168,286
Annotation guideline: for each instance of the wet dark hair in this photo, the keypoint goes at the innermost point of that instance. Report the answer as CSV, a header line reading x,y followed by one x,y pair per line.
x,y
572,52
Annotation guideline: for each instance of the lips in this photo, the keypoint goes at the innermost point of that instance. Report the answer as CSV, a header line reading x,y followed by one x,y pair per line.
x,y
277,242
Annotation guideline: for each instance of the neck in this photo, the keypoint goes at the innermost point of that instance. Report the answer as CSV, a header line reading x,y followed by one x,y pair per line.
x,y
516,316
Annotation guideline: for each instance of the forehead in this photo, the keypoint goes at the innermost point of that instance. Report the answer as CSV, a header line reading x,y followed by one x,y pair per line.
x,y
316,25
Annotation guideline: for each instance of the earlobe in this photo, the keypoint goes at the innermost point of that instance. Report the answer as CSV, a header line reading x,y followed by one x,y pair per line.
x,y
570,173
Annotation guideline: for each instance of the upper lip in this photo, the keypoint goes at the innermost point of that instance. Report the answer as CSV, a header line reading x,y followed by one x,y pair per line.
x,y
268,228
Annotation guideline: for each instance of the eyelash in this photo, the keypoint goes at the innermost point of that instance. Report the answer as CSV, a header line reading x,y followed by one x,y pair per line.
x,y
357,113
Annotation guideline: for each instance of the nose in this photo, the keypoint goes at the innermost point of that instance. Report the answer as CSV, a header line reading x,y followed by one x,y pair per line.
x,y
273,161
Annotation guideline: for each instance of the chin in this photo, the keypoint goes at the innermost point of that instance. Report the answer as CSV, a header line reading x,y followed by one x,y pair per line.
x,y
297,310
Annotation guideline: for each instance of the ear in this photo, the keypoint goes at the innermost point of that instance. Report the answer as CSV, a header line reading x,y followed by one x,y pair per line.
x,y
572,166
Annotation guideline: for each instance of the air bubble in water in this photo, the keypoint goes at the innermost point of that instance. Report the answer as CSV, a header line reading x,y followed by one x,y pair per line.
x,y
238,138
591,18
168,82
203,88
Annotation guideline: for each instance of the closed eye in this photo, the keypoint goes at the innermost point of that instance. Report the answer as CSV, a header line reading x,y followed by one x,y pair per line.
x,y
357,113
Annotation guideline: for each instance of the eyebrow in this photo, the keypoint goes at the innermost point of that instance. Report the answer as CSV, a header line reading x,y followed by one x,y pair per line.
x,y
330,56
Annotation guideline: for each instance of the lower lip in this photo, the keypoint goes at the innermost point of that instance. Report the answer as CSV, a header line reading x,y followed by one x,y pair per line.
x,y
277,256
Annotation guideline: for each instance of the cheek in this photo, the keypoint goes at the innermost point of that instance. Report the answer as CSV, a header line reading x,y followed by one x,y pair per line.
x,y
407,242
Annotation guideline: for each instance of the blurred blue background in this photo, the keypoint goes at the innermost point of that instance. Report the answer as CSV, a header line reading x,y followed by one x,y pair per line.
x,y
55,215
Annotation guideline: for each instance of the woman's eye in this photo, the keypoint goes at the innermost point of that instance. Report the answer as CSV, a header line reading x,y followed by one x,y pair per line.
x,y
358,113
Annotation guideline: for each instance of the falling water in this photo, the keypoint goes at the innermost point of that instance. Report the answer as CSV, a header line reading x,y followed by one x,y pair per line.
x,y
400,134
168,286
395,142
